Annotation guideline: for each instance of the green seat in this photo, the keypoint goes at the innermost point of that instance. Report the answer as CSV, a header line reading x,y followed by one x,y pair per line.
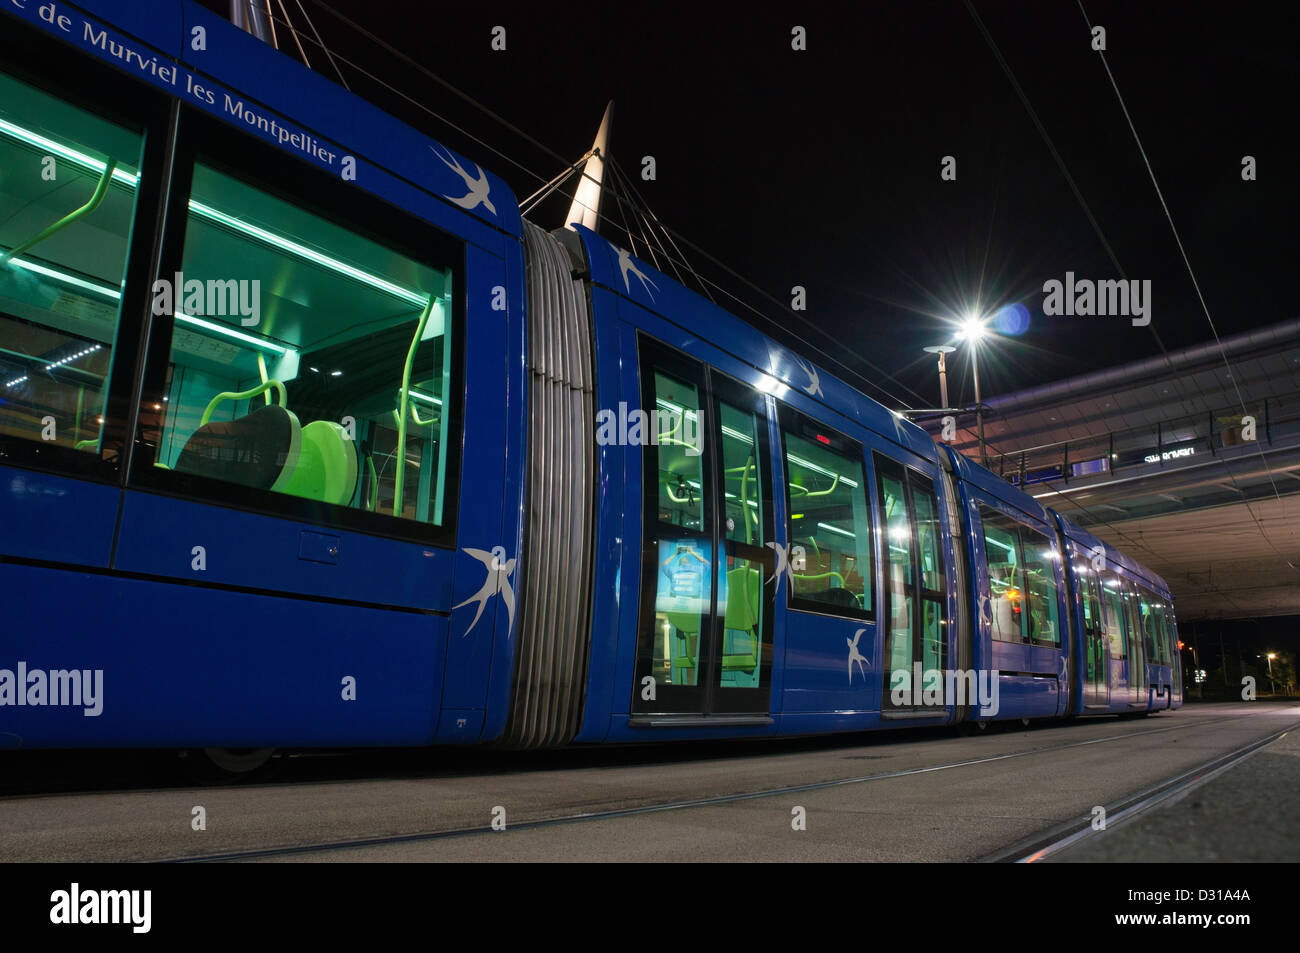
x,y
744,593
744,596
687,625
327,464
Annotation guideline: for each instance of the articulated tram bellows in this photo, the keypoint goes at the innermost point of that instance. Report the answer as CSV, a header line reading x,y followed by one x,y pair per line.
x,y
551,655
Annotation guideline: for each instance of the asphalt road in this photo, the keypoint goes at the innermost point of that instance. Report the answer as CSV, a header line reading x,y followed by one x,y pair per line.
x,y
929,796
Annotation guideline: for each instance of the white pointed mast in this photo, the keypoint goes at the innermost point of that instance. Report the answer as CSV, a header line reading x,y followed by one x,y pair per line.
x,y
585,209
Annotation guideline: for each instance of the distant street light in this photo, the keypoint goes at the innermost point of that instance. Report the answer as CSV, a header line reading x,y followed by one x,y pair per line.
x,y
941,350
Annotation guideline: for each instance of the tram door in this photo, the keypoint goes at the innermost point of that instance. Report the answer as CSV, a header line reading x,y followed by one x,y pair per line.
x,y
1096,691
914,596
704,640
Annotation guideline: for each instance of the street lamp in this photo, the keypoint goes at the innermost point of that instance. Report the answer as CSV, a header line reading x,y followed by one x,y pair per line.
x,y
1271,684
972,329
941,350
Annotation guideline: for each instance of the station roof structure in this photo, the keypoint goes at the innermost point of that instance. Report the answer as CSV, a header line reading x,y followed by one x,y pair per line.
x,y
1157,458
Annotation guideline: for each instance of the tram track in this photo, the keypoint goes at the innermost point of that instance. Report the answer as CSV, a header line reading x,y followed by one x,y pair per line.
x,y
684,804
1069,834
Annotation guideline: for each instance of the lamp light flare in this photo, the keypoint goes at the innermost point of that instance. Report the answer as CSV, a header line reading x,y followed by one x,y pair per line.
x,y
972,329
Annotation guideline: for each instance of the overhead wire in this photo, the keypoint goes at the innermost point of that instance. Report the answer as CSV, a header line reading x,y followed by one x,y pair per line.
x,y
1199,295
1060,162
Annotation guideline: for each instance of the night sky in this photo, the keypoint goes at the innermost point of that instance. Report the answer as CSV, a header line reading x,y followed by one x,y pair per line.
x,y
822,168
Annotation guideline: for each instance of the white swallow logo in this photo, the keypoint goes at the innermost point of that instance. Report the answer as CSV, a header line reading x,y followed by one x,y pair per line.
x,y
814,385
856,656
628,266
784,568
498,581
478,188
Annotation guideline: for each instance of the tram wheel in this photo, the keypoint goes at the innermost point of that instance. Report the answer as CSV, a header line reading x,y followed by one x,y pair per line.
x,y
226,765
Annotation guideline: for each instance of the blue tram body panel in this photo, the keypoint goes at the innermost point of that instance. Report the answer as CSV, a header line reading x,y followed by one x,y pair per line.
x,y
191,666
53,518
618,537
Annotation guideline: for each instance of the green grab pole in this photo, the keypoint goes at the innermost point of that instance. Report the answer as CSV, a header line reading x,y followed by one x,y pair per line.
x,y
95,199
404,402
261,370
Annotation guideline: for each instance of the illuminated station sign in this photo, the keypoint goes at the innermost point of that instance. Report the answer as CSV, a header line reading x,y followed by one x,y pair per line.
x,y
1169,455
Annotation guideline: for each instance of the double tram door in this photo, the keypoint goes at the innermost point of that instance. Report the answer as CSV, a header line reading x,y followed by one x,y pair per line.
x,y
1096,655
704,638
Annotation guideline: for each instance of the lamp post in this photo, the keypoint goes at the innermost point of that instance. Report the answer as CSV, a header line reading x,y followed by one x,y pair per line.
x,y
972,330
942,350
1271,684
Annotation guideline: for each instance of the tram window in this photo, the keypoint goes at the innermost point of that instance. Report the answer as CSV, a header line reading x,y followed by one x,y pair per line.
x,y
829,522
67,200
927,536
305,359
1115,614
1088,595
1041,556
899,589
680,452
1159,632
1005,566
1147,605
743,475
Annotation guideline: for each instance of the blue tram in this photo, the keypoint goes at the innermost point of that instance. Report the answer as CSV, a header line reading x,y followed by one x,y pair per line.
x,y
307,438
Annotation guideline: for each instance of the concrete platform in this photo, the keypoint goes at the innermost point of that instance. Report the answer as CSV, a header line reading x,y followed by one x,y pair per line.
x,y
1247,813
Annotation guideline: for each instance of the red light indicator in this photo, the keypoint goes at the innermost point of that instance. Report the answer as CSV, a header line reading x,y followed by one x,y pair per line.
x,y
825,440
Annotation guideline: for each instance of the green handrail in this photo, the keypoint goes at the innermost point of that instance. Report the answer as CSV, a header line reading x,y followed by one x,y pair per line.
x,y
404,402
744,500
243,395
261,370
95,199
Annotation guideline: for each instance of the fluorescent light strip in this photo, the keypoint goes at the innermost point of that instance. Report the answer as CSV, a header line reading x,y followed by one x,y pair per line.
x,y
222,329
425,397
73,280
835,529
232,333
79,158
816,469
999,543
132,180
308,254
